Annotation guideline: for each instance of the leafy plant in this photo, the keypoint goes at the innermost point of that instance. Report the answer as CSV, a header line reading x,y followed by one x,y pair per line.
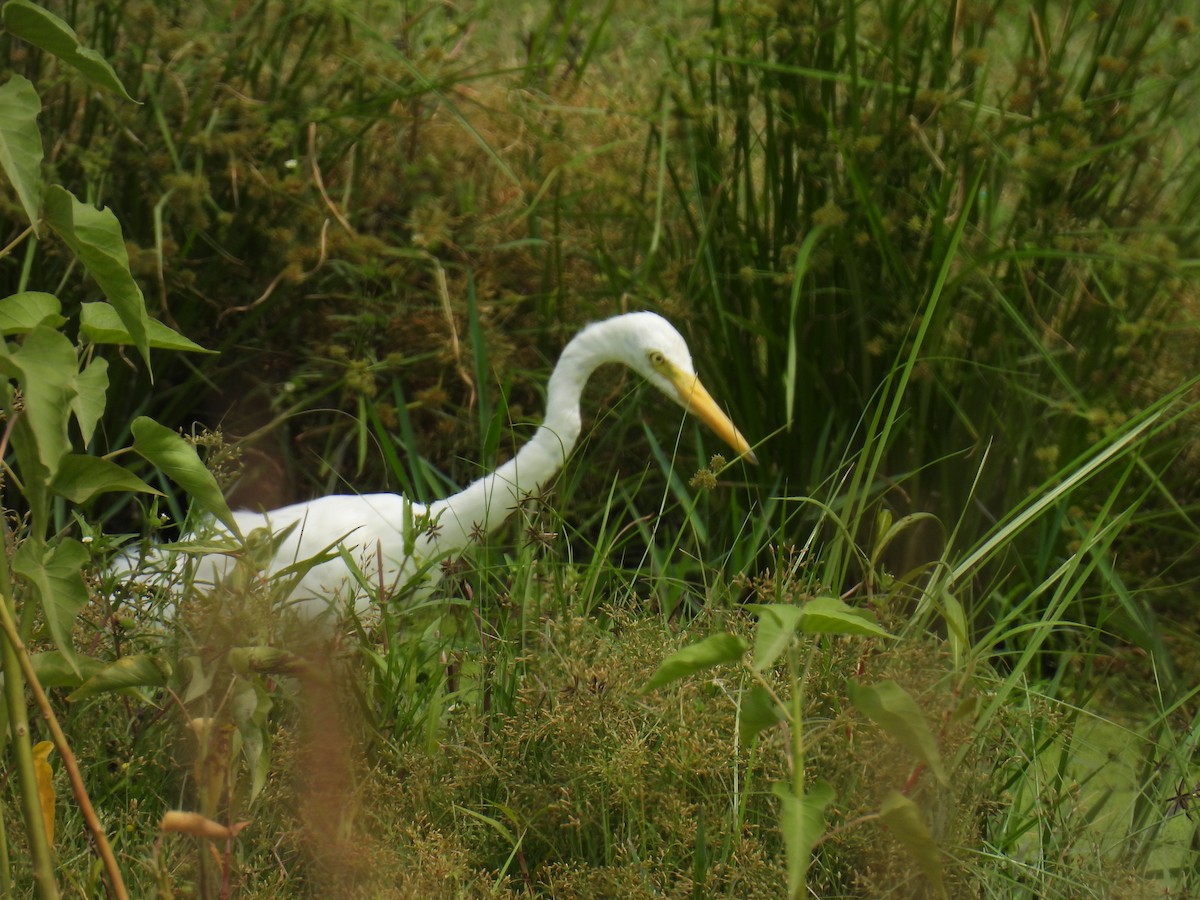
x,y
779,634
52,384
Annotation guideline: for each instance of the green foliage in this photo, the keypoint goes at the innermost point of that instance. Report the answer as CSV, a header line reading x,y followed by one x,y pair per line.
x,y
893,709
36,26
20,148
177,458
935,205
50,384
802,806
712,651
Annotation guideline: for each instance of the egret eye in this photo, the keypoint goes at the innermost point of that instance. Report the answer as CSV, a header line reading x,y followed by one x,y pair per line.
x,y
657,359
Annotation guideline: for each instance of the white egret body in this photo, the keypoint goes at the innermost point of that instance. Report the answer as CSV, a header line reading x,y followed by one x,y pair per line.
x,y
411,539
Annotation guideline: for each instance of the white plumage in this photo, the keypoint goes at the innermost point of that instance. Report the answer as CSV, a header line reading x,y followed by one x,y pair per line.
x,y
412,539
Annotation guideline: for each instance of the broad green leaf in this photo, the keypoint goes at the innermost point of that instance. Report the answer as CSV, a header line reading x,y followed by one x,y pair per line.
x,y
177,458
758,713
894,710
21,143
43,29
54,670
34,474
903,820
249,706
45,366
777,623
712,651
91,386
58,580
80,478
141,671
802,821
94,235
829,615
100,324
21,313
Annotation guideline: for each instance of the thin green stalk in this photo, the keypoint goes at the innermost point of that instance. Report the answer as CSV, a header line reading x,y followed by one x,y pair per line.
x,y
18,722
22,750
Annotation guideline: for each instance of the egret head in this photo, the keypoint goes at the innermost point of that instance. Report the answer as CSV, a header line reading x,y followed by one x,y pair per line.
x,y
657,352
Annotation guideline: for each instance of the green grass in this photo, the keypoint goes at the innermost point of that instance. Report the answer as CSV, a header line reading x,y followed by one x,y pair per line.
x,y
942,271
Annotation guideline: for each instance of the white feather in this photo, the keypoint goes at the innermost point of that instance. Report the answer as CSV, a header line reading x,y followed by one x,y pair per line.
x,y
412,539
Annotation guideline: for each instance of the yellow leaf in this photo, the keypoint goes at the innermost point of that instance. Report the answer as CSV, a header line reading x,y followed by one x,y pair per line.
x,y
45,783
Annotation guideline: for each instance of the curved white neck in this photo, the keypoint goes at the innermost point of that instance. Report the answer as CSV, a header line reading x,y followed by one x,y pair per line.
x,y
486,503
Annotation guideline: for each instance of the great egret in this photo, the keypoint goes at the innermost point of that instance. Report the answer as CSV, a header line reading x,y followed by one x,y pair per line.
x,y
409,540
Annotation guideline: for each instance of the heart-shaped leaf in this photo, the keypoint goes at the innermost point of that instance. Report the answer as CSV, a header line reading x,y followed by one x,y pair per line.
x,y
177,458
21,313
94,236
80,478
56,576
21,143
40,27
99,323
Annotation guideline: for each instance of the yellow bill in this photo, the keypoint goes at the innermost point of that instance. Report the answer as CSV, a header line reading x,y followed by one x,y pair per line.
x,y
697,400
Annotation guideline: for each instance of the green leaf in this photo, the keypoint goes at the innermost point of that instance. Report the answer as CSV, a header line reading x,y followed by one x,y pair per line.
x,y
57,578
759,712
247,661
802,821
21,313
21,143
45,366
91,386
249,706
199,679
80,478
958,633
141,671
777,622
54,670
94,235
43,29
894,710
712,651
903,820
829,615
99,323
177,458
